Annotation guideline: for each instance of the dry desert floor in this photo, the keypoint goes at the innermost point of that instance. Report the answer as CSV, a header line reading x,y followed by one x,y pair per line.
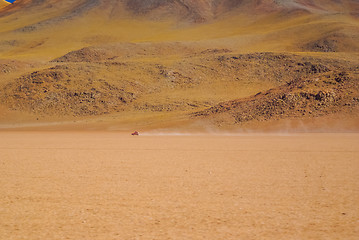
x,y
107,185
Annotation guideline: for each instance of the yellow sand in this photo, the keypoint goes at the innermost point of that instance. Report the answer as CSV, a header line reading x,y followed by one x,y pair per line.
x,y
97,185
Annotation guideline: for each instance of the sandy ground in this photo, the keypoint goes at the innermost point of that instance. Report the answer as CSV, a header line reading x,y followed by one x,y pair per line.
x,y
98,185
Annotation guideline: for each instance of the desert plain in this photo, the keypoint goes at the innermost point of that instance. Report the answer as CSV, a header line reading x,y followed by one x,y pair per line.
x,y
248,113
111,185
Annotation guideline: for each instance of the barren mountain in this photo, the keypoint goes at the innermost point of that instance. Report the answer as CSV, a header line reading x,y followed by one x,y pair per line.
x,y
38,26
119,58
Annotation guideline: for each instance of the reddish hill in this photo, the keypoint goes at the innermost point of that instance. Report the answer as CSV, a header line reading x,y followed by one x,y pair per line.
x,y
194,9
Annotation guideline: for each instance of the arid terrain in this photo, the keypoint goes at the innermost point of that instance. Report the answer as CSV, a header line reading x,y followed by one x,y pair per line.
x,y
150,64
248,114
108,185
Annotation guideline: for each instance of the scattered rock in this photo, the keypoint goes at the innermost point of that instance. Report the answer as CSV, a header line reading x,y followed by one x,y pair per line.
x,y
296,99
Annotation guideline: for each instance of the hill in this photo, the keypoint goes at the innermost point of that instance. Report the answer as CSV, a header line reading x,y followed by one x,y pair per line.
x,y
306,98
176,59
32,29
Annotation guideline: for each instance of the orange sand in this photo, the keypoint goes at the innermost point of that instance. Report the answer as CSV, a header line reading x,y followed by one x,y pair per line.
x,y
98,185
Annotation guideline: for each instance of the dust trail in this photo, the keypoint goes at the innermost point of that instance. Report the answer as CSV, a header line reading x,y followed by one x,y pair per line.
x,y
213,133
285,127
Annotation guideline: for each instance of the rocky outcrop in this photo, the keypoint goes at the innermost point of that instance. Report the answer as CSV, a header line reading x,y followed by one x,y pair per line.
x,y
324,94
64,91
100,80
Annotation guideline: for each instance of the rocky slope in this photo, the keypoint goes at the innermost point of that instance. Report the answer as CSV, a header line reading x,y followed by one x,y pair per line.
x,y
94,58
323,94
95,81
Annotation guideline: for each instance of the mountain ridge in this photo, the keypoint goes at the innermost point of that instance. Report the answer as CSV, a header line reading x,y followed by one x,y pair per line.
x,y
200,9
